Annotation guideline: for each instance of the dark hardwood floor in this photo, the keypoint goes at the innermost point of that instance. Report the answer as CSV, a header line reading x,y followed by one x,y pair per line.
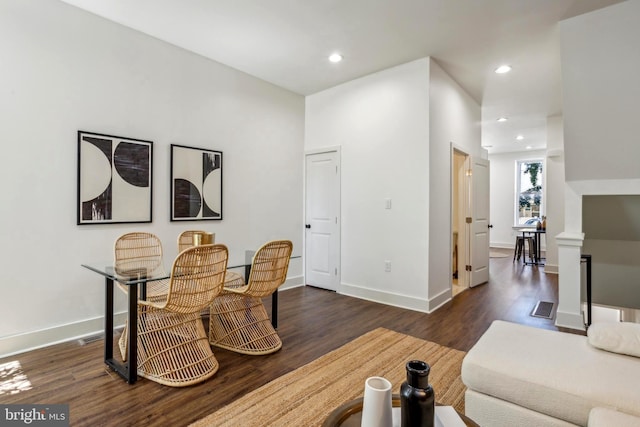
x,y
312,323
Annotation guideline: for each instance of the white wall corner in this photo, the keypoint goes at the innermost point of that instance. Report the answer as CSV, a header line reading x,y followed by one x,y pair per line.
x,y
569,313
572,209
439,300
388,298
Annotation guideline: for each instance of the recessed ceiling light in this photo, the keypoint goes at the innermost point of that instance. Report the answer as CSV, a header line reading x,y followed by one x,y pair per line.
x,y
335,57
503,69
528,147
502,119
519,137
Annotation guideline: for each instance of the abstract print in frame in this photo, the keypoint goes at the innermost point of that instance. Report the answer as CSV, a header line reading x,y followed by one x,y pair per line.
x,y
114,179
196,184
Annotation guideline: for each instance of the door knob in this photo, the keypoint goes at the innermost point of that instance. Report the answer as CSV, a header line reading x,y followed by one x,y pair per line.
x,y
307,226
490,226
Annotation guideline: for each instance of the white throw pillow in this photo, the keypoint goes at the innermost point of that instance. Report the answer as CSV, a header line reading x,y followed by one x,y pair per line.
x,y
617,337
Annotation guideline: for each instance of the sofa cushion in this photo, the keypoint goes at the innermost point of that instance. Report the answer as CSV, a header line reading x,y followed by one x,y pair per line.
x,y
617,337
555,373
603,417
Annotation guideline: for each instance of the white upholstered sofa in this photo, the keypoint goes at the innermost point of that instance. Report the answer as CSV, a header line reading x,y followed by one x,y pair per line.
x,y
522,376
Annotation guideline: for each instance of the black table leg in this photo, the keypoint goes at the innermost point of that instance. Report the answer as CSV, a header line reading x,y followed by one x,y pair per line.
x,y
132,345
128,371
274,296
108,320
274,309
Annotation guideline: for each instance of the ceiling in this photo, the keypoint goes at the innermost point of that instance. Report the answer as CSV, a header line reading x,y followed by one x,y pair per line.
x,y
287,42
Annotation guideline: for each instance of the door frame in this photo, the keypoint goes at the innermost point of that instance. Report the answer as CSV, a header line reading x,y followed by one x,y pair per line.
x,y
338,150
463,211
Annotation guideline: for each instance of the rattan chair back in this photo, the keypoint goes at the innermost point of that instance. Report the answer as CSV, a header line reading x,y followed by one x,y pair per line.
x,y
269,268
138,252
197,276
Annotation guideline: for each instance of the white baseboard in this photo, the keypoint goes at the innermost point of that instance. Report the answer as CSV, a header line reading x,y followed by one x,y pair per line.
x,y
396,300
21,343
439,300
551,268
500,245
292,282
570,320
28,341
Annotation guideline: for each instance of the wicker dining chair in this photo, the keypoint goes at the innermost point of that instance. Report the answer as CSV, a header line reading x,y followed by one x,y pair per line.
x,y
185,240
173,348
140,253
238,320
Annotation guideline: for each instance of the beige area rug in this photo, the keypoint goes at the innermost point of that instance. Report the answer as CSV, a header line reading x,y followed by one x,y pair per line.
x,y
307,395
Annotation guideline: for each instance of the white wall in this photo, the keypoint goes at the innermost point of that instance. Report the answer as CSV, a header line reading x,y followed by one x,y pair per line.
x,y
600,69
381,123
454,118
554,194
390,125
611,226
63,70
601,94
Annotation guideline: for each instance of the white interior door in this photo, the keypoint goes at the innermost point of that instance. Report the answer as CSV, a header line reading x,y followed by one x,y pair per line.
x,y
460,208
479,236
322,210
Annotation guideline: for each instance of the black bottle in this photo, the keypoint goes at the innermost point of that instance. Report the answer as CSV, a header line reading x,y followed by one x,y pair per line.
x,y
416,397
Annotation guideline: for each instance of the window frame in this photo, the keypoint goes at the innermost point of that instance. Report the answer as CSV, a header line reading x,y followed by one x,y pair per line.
x,y
517,190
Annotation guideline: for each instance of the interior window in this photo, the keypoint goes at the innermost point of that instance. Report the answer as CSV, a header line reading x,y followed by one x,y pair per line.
x,y
529,190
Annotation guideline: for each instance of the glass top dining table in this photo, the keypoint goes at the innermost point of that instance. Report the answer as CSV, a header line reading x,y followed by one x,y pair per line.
x,y
136,280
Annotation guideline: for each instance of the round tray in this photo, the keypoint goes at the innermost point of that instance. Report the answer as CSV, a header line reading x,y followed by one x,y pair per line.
x,y
350,414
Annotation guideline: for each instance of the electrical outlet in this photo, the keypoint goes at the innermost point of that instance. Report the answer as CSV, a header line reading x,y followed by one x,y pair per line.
x,y
387,203
387,266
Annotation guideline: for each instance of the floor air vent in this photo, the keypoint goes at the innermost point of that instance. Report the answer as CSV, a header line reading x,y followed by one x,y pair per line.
x,y
543,309
96,337
90,339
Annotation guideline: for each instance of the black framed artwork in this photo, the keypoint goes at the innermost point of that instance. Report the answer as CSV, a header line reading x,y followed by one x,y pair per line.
x,y
196,184
114,179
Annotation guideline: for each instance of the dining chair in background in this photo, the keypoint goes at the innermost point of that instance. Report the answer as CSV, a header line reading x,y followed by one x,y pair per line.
x,y
173,347
238,320
140,253
524,244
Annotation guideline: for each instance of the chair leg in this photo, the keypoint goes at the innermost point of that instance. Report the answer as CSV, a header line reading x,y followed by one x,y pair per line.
x,y
532,251
241,324
517,249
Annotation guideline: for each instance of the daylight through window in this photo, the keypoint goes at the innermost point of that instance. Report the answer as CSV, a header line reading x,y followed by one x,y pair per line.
x,y
529,191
